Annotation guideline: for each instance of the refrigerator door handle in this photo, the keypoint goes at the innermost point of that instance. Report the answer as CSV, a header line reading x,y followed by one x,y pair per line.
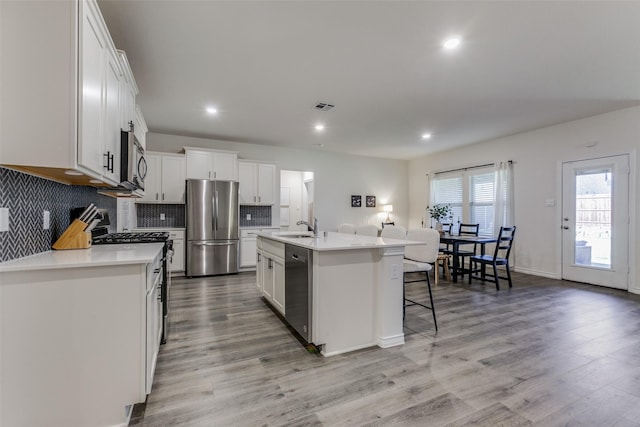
x,y
215,215
213,243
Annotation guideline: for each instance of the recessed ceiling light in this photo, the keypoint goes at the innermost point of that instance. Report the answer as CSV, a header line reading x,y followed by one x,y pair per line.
x,y
212,110
319,127
426,136
451,43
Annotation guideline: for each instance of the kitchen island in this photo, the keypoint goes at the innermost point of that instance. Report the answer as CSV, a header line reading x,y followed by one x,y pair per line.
x,y
79,334
356,297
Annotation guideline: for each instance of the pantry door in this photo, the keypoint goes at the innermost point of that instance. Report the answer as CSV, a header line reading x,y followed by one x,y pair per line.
x,y
595,221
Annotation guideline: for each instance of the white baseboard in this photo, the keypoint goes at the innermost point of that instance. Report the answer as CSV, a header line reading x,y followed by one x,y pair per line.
x,y
386,342
546,274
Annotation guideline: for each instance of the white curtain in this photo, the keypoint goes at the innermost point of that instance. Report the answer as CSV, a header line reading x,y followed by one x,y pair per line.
x,y
504,205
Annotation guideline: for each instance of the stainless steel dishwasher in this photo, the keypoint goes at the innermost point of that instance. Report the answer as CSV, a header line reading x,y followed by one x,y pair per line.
x,y
297,289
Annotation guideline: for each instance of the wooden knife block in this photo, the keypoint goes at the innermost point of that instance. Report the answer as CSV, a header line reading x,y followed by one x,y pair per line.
x,y
74,237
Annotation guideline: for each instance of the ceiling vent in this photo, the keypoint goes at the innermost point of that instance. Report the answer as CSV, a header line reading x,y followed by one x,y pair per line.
x,y
323,106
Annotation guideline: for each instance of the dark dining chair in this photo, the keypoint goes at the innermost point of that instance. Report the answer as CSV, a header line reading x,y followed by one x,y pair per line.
x,y
500,257
465,251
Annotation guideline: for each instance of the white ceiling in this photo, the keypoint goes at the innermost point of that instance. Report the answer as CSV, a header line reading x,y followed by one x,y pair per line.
x,y
264,64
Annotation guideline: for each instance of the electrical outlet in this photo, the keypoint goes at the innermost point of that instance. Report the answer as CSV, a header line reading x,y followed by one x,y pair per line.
x,y
162,217
46,220
4,219
395,271
248,217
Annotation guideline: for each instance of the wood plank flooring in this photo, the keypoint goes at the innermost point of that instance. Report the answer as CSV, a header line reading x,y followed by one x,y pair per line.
x,y
547,352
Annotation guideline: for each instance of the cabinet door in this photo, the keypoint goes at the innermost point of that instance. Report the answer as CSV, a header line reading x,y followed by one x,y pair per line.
x,y
173,179
225,166
177,263
90,112
247,178
267,277
248,252
259,270
278,284
152,190
198,165
266,184
111,150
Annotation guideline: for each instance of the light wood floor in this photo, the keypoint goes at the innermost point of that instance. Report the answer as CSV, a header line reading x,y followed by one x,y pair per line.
x,y
546,352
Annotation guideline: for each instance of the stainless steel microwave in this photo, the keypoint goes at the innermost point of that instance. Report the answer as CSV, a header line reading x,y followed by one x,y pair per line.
x,y
133,165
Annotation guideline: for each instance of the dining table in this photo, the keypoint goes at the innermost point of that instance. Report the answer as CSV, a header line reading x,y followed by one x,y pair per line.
x,y
456,241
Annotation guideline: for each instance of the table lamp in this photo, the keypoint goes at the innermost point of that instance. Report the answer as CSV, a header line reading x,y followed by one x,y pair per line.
x,y
388,209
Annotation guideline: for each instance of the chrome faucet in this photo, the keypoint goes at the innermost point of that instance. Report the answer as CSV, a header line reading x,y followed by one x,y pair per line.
x,y
313,227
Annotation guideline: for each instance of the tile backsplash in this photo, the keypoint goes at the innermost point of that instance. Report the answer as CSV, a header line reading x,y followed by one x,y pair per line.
x,y
260,216
148,215
27,197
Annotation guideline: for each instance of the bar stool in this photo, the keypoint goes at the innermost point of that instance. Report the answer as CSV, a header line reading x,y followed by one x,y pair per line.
x,y
442,261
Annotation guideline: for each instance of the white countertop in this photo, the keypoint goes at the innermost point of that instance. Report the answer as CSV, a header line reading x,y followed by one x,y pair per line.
x,y
336,241
99,255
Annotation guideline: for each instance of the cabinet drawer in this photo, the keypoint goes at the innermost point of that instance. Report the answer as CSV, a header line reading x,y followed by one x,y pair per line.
x,y
273,247
249,232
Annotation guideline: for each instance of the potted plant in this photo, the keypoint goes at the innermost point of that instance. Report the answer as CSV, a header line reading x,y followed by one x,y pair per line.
x,y
439,212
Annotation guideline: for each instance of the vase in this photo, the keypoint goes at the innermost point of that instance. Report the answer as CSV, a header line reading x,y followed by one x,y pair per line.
x,y
439,226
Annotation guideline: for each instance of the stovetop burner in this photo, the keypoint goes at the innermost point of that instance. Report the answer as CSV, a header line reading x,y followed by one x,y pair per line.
x,y
134,237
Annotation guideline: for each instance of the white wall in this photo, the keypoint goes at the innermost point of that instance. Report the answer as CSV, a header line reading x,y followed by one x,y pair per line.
x,y
538,156
336,177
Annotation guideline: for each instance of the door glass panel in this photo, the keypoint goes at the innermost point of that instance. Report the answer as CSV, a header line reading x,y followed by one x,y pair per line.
x,y
593,218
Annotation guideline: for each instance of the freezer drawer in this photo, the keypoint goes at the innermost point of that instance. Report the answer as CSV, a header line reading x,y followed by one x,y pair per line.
x,y
207,258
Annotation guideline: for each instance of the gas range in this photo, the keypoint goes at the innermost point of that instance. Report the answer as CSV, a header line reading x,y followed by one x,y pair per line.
x,y
134,237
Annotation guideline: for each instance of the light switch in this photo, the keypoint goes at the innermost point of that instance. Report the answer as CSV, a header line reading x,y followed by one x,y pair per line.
x,y
4,219
162,217
46,220
248,217
550,203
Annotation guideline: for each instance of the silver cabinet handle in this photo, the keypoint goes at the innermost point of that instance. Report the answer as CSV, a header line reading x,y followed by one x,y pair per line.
x,y
162,196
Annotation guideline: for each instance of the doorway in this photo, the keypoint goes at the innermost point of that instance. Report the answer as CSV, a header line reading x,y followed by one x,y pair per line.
x,y
296,199
595,221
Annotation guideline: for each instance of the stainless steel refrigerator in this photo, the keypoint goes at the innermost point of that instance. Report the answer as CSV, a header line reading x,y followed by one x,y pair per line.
x,y
212,227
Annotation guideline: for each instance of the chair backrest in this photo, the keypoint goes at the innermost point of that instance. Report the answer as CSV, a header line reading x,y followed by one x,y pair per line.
x,y
347,228
367,230
423,253
394,232
504,243
447,227
468,229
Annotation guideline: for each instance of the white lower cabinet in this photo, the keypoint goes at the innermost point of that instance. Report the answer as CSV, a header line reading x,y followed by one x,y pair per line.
x,y
79,333
177,235
154,319
271,275
248,245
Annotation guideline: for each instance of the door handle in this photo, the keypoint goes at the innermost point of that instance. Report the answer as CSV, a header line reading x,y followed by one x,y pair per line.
x,y
564,227
216,212
214,244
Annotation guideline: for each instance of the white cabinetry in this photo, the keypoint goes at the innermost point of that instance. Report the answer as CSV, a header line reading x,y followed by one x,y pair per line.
x,y
154,319
177,235
78,127
211,164
165,181
272,272
257,183
248,246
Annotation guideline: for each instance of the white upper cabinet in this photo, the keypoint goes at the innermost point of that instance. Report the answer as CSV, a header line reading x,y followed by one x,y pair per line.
x,y
67,59
165,181
211,164
257,183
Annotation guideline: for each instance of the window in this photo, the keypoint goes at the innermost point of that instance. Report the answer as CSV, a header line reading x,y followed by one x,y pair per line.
x,y
471,195
481,201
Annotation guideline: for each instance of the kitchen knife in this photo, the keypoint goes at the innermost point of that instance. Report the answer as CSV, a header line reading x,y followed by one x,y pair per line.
x,y
85,213
92,214
92,225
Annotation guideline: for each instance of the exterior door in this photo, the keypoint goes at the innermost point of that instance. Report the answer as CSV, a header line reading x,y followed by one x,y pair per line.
x,y
595,221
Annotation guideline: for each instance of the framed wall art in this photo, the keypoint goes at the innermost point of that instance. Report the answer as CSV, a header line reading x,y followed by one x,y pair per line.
x,y
371,201
356,201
